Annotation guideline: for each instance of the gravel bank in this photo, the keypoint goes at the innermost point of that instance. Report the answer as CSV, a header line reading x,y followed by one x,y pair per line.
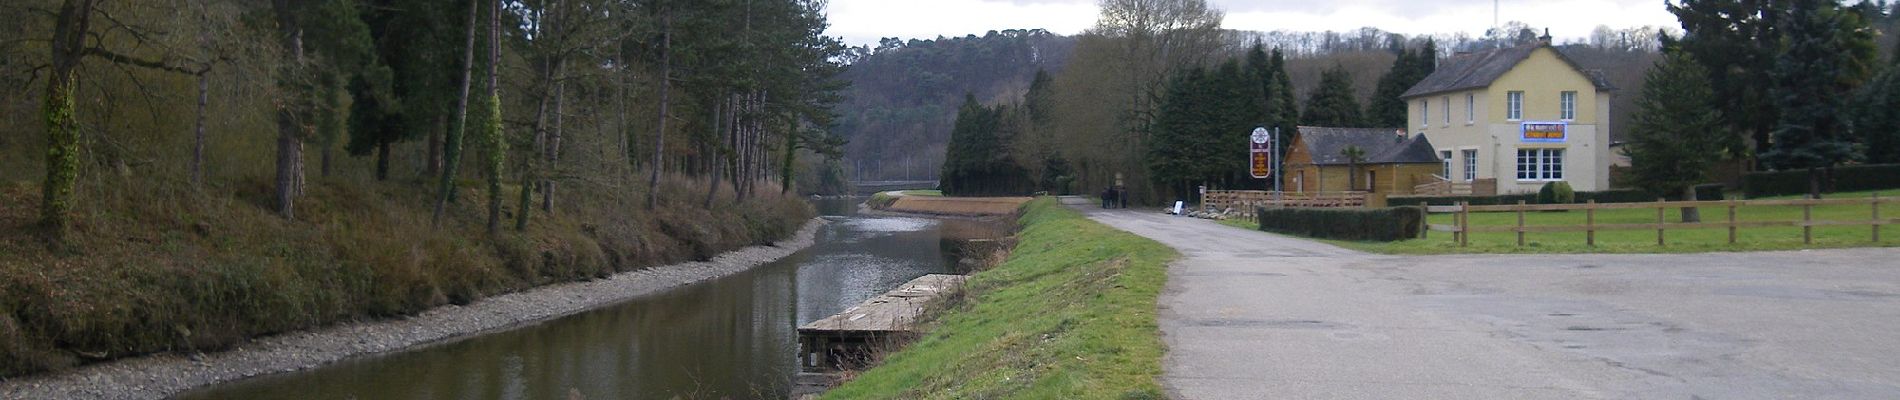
x,y
163,375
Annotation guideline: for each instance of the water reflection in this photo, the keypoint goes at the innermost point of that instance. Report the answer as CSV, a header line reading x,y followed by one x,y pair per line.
x,y
733,337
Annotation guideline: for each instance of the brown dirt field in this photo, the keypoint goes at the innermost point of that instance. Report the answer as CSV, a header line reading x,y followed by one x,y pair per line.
x,y
958,205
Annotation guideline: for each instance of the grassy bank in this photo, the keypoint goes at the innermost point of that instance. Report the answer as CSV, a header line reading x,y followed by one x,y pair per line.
x,y
1070,314
158,267
1644,241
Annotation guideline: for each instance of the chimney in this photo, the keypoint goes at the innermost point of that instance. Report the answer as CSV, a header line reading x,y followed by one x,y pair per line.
x,y
1546,38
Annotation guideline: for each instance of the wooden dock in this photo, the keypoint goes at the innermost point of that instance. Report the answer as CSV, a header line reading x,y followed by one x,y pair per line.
x,y
846,340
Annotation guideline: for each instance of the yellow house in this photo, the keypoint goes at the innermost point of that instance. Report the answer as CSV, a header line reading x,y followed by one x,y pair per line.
x,y
1522,115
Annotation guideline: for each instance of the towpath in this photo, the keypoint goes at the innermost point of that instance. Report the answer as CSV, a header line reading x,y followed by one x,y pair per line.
x,y
1252,315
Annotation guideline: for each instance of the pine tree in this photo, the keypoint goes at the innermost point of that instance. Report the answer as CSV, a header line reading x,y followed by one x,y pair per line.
x,y
1734,41
1877,115
1283,110
1827,53
1332,104
1678,132
1386,109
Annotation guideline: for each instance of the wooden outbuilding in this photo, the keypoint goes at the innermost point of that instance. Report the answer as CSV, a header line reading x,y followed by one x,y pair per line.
x,y
1390,163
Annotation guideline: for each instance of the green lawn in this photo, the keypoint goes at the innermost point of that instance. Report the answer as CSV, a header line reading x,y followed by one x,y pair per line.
x,y
1644,241
1069,315
932,192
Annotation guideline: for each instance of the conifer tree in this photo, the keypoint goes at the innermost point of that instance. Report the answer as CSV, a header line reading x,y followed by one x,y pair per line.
x,y
1332,104
1678,132
1877,115
1826,54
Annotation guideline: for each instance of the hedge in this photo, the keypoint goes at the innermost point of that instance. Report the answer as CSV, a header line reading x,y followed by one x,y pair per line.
x,y
1703,192
1376,224
1851,178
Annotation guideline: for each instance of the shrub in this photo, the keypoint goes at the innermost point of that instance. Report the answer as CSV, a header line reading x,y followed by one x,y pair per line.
x,y
1556,193
1851,178
1380,224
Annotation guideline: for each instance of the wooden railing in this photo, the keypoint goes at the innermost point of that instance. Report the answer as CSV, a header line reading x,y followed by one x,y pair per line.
x,y
1442,187
1461,228
1242,202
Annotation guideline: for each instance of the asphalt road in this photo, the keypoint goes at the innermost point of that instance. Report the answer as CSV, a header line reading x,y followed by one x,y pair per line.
x,y
1251,315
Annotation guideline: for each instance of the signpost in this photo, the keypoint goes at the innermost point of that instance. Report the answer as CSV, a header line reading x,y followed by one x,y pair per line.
x,y
1260,151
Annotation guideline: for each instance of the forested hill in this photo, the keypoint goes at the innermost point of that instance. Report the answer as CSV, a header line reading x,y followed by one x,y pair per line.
x,y
904,94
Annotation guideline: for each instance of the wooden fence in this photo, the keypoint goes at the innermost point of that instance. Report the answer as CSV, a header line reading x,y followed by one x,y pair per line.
x,y
1461,213
1442,187
1242,202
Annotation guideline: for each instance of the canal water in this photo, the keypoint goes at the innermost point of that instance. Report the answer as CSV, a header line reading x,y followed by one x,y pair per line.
x,y
733,337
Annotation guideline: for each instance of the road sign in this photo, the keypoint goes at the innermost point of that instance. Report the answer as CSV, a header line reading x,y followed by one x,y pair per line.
x,y
1260,153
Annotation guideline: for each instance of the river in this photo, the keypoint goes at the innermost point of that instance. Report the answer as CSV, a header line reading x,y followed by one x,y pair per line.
x,y
733,337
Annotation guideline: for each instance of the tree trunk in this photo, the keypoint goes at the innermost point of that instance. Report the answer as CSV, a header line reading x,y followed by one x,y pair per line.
x,y
1690,214
290,116
497,149
712,155
382,160
198,131
786,173
433,164
666,83
62,131
452,147
554,146
620,111
1814,183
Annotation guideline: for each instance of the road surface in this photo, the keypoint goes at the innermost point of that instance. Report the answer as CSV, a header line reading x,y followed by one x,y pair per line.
x,y
1251,315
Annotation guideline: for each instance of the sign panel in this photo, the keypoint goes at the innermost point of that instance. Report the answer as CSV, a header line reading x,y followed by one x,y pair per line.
x,y
1550,132
1260,153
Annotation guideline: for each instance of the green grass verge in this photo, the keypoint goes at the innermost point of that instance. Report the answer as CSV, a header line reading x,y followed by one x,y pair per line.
x,y
1644,241
923,193
1069,315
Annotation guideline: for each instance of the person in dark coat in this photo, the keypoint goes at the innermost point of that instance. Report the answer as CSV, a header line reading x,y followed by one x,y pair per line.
x,y
1108,197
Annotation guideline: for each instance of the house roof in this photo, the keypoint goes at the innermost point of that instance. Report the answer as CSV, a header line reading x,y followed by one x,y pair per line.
x,y
1480,69
1381,145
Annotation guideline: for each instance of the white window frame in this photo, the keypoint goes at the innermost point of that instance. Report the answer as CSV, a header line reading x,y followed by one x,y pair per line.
x,y
1540,164
1424,113
1514,105
1447,111
1471,164
1444,157
1568,105
1471,105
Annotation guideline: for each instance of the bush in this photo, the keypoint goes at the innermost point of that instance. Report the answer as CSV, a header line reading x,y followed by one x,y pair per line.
x,y
1556,193
1380,224
1852,178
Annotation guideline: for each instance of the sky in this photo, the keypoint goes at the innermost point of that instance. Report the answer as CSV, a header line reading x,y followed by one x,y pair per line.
x,y
866,21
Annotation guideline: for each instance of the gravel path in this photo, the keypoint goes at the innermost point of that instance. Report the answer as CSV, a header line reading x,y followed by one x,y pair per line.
x,y
163,375
1252,315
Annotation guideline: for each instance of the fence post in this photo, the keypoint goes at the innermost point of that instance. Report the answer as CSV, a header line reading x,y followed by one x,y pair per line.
x,y
1807,222
1464,223
1661,204
1590,222
1520,223
1731,221
1875,203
